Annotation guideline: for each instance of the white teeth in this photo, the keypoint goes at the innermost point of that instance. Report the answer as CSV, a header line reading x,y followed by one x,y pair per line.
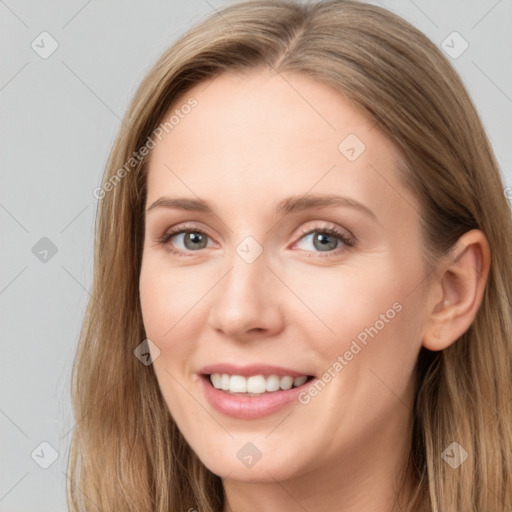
x,y
216,379
273,382
237,384
298,381
224,382
286,382
256,384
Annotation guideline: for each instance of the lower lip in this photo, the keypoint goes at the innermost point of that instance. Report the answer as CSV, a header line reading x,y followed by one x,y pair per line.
x,y
249,407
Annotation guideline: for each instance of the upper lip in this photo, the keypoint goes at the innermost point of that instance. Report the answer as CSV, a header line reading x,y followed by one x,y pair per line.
x,y
251,369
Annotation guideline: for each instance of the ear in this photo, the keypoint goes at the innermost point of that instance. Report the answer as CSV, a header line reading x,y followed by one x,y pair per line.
x,y
457,293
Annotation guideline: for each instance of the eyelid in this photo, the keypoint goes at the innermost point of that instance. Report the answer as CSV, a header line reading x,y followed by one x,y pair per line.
x,y
178,229
320,226
345,236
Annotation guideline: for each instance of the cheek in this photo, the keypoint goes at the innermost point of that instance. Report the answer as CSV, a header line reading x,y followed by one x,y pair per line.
x,y
169,298
167,303
161,312
340,303
369,317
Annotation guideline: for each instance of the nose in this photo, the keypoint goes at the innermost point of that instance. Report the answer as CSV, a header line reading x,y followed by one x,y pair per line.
x,y
247,301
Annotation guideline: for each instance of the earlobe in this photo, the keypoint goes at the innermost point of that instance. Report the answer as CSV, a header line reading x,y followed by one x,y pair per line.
x,y
461,284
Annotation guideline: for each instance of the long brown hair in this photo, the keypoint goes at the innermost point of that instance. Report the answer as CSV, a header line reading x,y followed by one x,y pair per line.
x,y
126,452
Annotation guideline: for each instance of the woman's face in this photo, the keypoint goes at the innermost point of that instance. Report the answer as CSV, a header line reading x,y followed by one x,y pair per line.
x,y
252,281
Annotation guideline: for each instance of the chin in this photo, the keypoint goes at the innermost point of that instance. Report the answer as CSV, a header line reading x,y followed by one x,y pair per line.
x,y
261,471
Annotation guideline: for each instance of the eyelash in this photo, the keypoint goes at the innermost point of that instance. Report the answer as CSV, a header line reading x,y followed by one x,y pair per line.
x,y
348,242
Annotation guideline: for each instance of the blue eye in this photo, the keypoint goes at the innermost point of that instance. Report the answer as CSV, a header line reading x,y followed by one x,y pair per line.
x,y
326,240
194,239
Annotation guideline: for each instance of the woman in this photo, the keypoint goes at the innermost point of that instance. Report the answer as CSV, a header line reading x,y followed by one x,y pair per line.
x,y
252,372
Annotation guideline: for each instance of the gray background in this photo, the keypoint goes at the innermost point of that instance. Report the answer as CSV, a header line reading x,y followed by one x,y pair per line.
x,y
59,118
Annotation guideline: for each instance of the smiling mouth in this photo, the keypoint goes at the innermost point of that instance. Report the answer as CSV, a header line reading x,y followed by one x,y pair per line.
x,y
255,385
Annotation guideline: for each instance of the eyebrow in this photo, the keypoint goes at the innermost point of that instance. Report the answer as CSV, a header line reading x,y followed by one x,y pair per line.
x,y
286,206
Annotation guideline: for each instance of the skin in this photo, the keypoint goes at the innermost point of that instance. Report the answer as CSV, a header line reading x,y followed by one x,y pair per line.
x,y
253,140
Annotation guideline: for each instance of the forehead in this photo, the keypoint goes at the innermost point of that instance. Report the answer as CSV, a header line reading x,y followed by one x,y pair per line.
x,y
259,136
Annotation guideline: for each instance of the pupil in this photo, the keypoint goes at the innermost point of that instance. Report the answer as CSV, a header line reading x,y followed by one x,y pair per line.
x,y
322,239
324,242
194,238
